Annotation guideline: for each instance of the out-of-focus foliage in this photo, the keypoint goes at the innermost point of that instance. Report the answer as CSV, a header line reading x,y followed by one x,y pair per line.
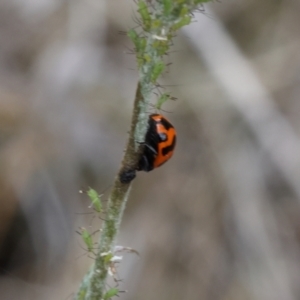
x,y
219,221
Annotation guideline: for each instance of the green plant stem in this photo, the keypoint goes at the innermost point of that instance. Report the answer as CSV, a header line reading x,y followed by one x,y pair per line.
x,y
93,284
159,21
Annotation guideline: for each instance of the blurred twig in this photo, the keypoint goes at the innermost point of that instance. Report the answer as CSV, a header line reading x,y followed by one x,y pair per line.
x,y
248,95
264,264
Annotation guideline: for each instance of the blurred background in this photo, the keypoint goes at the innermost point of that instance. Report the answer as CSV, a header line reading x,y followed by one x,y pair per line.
x,y
219,221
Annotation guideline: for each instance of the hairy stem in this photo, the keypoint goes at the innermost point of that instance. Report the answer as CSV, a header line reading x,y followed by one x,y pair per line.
x,y
93,284
159,21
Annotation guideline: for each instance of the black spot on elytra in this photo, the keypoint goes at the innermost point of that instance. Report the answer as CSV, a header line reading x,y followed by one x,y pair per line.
x,y
170,148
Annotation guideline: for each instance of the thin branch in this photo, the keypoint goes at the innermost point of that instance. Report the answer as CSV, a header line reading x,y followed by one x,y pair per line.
x,y
93,284
159,21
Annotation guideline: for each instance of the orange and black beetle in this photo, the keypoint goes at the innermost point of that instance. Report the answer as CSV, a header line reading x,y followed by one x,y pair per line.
x,y
159,146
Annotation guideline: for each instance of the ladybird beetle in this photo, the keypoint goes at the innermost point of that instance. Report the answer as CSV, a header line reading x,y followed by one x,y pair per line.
x,y
159,144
